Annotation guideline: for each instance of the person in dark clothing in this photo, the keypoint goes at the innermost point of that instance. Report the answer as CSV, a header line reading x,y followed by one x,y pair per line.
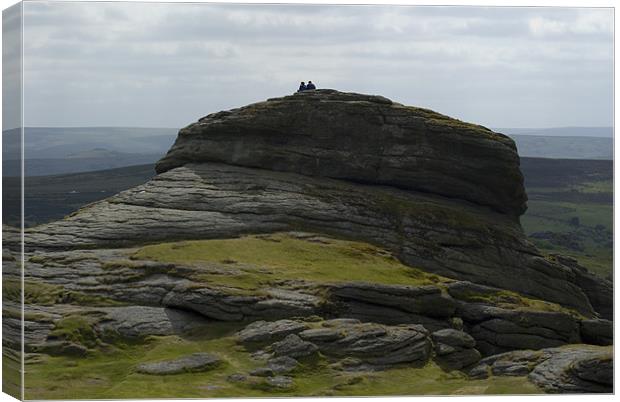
x,y
310,85
302,87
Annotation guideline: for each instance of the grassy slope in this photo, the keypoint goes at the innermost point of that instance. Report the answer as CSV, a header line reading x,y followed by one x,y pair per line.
x,y
253,262
257,260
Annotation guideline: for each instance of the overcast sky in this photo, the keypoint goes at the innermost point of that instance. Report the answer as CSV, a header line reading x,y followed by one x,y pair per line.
x,y
166,65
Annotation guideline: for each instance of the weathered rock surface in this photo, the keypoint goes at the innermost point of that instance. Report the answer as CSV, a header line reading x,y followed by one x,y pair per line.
x,y
569,369
374,344
454,349
141,321
294,347
220,201
394,304
597,332
264,331
360,138
196,362
498,330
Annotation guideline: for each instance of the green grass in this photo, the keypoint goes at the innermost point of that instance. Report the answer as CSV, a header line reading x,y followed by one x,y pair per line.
x,y
603,186
11,376
47,294
251,262
77,329
112,375
549,215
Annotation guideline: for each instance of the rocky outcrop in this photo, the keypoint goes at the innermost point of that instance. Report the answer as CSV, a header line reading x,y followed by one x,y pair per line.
x,y
570,369
441,196
360,138
440,235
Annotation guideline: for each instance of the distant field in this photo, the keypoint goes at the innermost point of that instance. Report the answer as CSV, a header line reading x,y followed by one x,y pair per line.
x,y
570,203
570,209
49,198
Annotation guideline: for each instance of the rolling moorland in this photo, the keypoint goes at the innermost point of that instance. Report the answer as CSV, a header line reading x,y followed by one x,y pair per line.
x,y
376,251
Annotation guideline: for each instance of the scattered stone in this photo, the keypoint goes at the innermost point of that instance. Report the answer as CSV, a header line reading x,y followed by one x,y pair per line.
x,y
282,364
236,377
264,331
196,362
280,382
293,346
262,372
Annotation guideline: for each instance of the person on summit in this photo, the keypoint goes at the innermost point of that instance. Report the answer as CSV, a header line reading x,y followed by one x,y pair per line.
x,y
310,85
302,87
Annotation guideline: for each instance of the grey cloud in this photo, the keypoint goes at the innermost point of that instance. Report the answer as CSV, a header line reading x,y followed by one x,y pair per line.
x,y
149,64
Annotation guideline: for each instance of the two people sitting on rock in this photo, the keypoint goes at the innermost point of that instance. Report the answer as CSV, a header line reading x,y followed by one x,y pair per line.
x,y
304,87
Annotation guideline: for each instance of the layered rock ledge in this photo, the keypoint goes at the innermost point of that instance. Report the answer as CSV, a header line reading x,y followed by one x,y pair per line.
x,y
361,138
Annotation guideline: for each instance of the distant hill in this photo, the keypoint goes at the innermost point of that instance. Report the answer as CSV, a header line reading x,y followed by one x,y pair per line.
x,y
606,132
60,142
564,147
64,150
77,162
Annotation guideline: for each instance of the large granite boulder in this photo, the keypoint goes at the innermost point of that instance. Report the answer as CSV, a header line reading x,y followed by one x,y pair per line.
x,y
362,138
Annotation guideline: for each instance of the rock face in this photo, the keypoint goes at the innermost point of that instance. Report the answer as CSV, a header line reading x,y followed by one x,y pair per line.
x,y
361,138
